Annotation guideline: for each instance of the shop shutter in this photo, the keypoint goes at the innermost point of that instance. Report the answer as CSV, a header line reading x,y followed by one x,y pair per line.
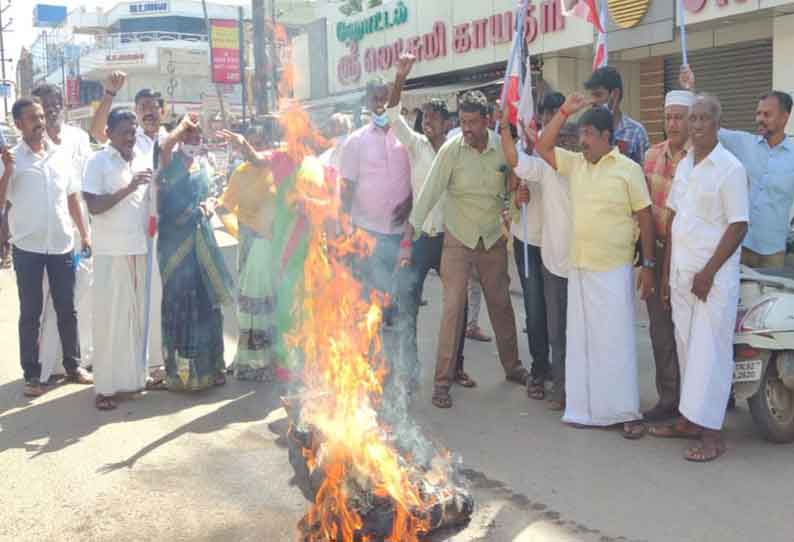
x,y
737,75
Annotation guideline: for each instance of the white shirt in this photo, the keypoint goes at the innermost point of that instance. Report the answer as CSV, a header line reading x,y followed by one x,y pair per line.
x,y
534,208
38,190
421,154
707,198
144,149
555,210
121,230
75,142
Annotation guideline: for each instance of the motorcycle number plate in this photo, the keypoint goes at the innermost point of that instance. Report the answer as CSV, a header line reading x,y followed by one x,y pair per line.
x,y
748,371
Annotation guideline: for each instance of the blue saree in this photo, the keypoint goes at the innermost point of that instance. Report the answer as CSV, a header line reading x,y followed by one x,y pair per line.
x,y
196,282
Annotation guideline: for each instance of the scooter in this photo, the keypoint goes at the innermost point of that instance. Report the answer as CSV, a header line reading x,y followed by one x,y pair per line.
x,y
764,350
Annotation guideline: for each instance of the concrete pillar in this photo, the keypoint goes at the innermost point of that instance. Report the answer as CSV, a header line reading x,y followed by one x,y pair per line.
x,y
782,52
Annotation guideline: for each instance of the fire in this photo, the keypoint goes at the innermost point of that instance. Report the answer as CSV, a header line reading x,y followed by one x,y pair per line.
x,y
344,370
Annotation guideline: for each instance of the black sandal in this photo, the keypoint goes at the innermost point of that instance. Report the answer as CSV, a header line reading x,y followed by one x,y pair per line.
x,y
536,389
104,403
441,398
465,380
519,376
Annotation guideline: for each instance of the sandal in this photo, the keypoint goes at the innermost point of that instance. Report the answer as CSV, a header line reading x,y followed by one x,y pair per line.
x,y
556,406
475,333
441,398
674,430
79,376
634,430
33,389
710,448
536,389
220,380
519,376
465,380
156,384
104,403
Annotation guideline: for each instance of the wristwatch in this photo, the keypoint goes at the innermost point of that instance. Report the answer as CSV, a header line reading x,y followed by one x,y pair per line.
x,y
648,264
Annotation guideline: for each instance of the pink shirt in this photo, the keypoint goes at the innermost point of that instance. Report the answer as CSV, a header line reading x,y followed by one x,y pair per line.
x,y
379,166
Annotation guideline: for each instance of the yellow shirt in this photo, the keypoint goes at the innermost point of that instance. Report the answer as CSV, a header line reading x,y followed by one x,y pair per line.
x,y
604,198
474,186
251,196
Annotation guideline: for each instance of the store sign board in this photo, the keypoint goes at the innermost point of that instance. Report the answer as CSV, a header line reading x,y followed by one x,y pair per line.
x,y
446,35
379,21
183,62
225,51
640,24
147,8
119,60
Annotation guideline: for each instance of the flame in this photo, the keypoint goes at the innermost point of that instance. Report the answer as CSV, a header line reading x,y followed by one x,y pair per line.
x,y
344,369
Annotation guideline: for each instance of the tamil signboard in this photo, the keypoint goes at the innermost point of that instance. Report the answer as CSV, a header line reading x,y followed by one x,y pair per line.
x,y
225,51
445,36
183,62
124,60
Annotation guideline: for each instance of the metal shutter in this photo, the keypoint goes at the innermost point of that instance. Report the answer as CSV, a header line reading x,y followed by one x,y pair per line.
x,y
737,75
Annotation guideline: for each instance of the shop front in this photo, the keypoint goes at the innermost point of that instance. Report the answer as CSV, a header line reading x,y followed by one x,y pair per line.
x,y
738,49
459,46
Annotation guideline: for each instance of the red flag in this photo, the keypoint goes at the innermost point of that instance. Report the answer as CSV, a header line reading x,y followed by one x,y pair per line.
x,y
586,9
513,95
600,58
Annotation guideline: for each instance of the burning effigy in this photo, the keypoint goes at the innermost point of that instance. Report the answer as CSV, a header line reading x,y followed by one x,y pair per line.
x,y
370,473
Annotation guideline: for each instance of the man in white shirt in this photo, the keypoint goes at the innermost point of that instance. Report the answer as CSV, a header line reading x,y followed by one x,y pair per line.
x,y
149,110
115,192
555,210
425,251
709,205
40,183
77,146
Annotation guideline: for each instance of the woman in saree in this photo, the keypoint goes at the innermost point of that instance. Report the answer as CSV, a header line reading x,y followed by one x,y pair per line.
x,y
267,196
247,209
196,282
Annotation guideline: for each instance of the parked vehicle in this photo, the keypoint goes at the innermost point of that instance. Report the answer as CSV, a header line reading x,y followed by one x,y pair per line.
x,y
764,350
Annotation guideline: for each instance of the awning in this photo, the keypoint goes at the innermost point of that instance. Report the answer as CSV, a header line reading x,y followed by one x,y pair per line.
x,y
416,98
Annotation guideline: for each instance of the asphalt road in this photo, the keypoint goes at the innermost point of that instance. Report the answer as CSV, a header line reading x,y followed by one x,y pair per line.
x,y
213,466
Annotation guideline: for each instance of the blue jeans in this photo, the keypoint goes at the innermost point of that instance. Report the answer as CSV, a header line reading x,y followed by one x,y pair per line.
x,y
534,307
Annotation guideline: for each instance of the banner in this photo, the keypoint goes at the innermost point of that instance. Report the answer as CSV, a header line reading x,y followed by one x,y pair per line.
x,y
225,51
72,92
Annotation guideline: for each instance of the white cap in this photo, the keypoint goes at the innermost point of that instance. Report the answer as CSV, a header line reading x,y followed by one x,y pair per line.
x,y
683,98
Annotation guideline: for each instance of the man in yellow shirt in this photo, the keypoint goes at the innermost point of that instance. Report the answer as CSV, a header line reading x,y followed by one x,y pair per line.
x,y
609,197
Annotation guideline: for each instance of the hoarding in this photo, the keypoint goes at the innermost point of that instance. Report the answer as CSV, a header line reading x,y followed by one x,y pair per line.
x,y
47,15
225,51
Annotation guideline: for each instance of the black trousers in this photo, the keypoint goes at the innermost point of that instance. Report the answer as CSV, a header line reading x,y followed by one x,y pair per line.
x,y
29,267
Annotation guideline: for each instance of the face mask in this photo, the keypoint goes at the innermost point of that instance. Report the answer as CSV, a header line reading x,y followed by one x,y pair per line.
x,y
191,151
381,121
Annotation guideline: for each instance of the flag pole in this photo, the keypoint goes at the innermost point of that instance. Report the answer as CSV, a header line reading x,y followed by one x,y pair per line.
x,y
682,30
515,51
151,232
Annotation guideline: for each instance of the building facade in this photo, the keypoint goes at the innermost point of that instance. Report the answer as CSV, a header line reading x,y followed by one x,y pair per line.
x,y
738,49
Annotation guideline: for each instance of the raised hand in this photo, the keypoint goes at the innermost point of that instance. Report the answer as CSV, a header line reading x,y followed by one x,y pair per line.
x,y
231,138
405,65
115,81
686,77
575,103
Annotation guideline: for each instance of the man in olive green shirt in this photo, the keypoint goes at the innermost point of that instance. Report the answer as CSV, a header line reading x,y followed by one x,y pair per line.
x,y
470,169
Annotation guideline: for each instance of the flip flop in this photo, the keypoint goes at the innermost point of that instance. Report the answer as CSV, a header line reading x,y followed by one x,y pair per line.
x,y
465,380
156,384
634,430
441,398
706,453
104,403
672,431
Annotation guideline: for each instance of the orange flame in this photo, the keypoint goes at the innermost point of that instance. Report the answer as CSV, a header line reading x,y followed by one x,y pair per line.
x,y
344,368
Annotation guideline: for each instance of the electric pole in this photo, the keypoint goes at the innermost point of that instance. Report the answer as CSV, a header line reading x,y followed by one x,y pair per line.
x,y
3,29
260,58
209,44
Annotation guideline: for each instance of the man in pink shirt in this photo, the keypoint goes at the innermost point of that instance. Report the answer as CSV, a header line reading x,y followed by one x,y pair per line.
x,y
376,192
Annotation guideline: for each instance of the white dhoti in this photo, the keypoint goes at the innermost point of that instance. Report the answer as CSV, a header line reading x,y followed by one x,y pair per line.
x,y
601,384
118,324
155,314
704,339
50,351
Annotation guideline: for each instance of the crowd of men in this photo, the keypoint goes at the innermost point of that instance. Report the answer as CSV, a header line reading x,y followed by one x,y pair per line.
x,y
606,215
